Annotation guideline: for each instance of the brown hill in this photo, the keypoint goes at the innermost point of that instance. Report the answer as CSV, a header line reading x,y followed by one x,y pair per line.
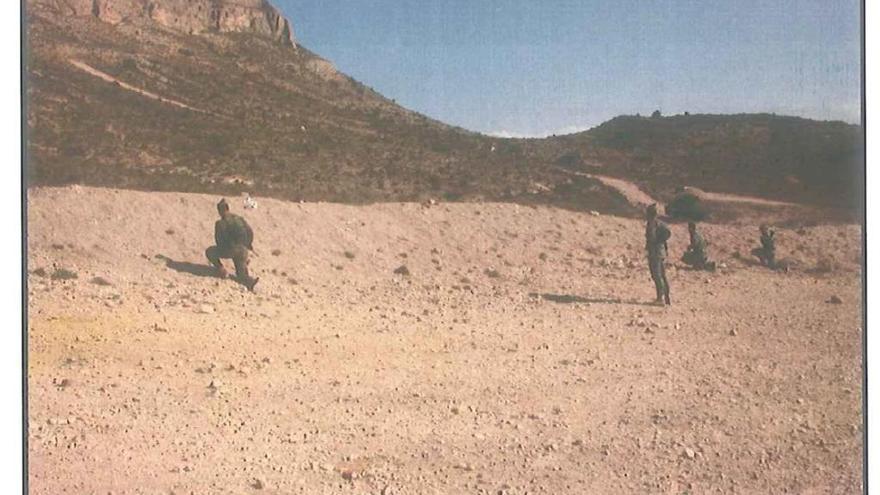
x,y
137,105
122,95
777,157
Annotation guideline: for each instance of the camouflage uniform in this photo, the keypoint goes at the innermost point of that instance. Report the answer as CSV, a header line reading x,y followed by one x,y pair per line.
x,y
697,254
233,238
767,252
656,235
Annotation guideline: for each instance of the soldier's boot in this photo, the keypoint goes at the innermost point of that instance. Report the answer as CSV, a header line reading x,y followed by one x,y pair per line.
x,y
221,272
241,271
660,296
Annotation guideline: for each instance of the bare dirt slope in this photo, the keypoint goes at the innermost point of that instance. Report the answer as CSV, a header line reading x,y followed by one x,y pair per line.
x,y
518,356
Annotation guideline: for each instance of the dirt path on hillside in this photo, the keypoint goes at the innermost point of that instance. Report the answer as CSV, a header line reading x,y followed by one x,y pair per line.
x,y
630,191
519,354
107,77
639,198
736,198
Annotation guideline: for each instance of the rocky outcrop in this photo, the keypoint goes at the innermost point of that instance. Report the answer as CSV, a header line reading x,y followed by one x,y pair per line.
x,y
189,16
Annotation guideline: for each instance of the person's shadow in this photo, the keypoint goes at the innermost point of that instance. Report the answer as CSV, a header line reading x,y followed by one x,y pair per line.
x,y
196,269
571,299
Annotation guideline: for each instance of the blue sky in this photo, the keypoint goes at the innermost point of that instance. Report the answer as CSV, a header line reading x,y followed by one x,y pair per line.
x,y
530,68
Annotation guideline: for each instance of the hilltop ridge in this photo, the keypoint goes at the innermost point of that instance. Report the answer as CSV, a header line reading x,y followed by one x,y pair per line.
x,y
187,16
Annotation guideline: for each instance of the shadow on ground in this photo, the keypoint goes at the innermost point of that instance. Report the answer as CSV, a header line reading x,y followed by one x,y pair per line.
x,y
196,269
571,299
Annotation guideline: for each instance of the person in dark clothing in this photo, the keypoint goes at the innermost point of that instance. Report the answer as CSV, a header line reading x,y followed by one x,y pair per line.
x,y
697,253
233,239
766,254
656,235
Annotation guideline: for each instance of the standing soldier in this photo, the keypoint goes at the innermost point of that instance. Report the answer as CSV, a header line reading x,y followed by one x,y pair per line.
x,y
233,238
656,235
697,253
767,252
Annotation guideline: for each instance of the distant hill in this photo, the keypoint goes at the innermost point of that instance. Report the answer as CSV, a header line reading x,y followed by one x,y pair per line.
x,y
783,158
142,99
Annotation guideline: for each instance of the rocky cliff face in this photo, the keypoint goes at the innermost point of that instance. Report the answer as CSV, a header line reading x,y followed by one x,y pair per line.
x,y
189,16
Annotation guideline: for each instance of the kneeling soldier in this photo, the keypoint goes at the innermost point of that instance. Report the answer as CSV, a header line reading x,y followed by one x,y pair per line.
x,y
697,254
233,238
767,252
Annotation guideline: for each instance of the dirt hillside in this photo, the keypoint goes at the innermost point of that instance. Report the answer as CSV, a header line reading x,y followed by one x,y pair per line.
x,y
159,96
516,354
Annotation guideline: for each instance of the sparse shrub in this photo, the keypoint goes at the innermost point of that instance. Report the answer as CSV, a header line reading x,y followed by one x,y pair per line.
x,y
40,272
128,64
64,274
570,160
824,265
687,206
492,273
276,252
100,281
349,255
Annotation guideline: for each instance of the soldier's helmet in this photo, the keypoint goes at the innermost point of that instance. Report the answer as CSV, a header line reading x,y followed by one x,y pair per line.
x,y
764,228
651,210
223,206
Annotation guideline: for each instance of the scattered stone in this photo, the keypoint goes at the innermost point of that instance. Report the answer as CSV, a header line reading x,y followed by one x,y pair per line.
x,y
276,252
733,332
100,281
689,453
594,213
258,484
40,272
491,273
834,300
402,270
63,274
206,309
170,231
349,255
